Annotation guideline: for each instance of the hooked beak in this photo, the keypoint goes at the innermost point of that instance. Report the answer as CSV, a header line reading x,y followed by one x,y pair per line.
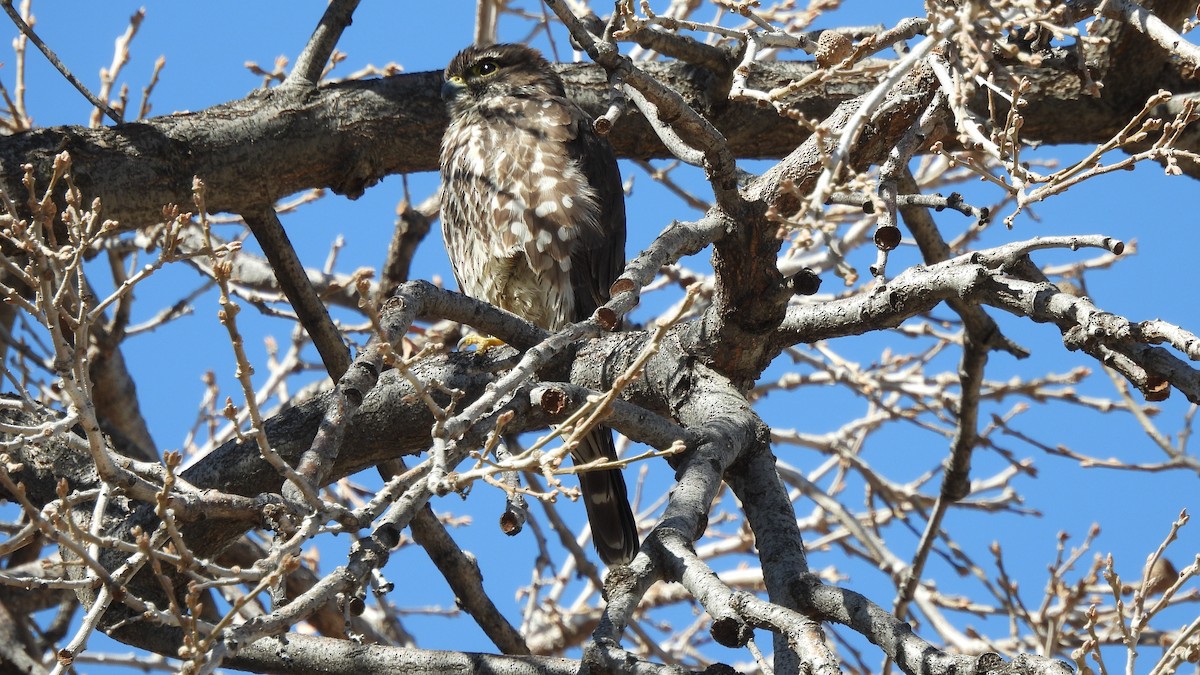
x,y
452,87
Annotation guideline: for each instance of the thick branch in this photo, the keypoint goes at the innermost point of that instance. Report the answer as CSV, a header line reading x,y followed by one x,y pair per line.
x,y
346,136
307,654
777,537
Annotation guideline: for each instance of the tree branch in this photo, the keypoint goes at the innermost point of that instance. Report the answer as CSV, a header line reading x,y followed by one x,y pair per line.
x,y
307,654
27,31
461,571
311,63
293,279
331,137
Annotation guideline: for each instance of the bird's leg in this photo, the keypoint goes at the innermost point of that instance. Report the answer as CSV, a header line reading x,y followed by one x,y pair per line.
x,y
479,342
502,272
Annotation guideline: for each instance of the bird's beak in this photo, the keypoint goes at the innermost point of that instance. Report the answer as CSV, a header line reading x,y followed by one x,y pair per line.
x,y
452,87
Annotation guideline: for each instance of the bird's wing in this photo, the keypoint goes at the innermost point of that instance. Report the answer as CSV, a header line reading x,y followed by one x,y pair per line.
x,y
599,255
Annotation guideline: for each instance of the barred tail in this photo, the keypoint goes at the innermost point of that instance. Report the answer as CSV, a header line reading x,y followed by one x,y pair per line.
x,y
614,531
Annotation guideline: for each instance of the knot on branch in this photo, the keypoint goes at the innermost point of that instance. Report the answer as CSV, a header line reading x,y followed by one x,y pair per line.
x,y
553,401
1023,664
731,631
990,662
802,589
804,282
1099,327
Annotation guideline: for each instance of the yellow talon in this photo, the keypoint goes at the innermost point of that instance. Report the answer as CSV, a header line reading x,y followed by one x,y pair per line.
x,y
479,342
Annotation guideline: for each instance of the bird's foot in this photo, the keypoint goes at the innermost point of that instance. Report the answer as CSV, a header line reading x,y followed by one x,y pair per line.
x,y
479,342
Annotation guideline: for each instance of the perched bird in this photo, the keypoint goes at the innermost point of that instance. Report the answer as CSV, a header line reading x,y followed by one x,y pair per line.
x,y
533,216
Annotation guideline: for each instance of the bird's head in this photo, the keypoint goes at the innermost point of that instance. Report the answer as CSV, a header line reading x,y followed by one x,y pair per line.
x,y
479,73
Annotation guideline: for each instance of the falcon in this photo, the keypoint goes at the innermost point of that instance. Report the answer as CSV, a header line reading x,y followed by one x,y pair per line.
x,y
533,217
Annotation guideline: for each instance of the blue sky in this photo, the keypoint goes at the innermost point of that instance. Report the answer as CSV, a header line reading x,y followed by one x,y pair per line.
x,y
206,46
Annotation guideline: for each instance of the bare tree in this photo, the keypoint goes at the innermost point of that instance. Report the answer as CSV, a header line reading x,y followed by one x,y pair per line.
x,y
206,557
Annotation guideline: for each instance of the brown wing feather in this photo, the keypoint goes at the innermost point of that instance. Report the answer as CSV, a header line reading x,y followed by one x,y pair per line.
x,y
514,207
597,258
599,255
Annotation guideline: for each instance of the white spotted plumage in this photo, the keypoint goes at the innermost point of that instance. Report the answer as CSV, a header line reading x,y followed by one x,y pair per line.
x,y
511,189
534,221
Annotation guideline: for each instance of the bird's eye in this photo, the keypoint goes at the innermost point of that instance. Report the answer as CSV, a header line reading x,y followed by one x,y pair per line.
x,y
487,67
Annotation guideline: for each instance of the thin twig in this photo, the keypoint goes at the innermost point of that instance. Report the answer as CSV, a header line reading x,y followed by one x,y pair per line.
x,y
27,31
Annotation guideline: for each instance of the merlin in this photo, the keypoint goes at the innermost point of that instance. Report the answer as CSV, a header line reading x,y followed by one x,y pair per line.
x,y
533,216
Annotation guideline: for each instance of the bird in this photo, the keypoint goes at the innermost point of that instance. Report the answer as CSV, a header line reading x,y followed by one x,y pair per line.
x,y
533,219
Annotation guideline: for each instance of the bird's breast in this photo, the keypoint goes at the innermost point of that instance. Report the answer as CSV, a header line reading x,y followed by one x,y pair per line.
x,y
513,202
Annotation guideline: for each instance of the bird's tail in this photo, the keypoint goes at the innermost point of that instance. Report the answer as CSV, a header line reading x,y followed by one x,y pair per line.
x,y
614,531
